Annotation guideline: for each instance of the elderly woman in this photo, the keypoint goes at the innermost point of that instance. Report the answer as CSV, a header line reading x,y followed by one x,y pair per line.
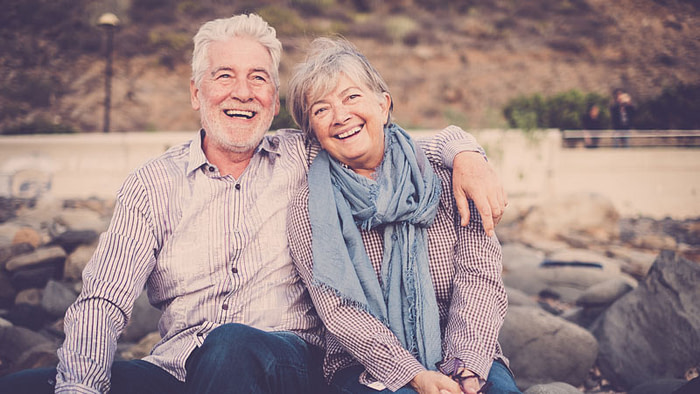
x,y
412,301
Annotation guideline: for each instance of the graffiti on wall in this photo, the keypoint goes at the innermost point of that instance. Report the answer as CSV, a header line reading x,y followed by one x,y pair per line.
x,y
27,177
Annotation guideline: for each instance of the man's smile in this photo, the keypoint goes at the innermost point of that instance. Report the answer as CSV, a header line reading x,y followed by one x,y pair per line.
x,y
237,113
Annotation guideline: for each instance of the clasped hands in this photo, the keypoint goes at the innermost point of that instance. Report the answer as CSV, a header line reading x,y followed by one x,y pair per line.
x,y
434,382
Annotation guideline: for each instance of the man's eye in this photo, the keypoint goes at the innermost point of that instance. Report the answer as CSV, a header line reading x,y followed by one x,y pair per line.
x,y
223,76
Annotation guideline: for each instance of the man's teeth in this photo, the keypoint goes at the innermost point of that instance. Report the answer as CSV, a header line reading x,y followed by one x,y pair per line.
x,y
239,113
349,133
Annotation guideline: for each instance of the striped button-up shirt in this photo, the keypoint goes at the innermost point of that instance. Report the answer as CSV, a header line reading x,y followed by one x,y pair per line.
x,y
465,265
210,250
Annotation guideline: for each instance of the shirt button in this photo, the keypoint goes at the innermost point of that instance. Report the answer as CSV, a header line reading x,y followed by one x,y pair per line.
x,y
238,186
199,334
212,169
224,307
234,270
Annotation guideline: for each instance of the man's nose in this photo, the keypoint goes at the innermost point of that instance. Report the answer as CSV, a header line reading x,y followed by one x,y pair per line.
x,y
241,91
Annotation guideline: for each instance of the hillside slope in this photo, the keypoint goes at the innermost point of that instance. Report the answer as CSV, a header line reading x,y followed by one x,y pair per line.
x,y
443,65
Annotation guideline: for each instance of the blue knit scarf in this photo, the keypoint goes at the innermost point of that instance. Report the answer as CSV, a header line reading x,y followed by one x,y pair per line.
x,y
404,198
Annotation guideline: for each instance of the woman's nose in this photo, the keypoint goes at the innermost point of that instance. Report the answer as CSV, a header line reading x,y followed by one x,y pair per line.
x,y
341,114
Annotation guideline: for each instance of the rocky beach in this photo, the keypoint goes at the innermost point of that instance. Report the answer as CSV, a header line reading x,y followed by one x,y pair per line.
x,y
599,303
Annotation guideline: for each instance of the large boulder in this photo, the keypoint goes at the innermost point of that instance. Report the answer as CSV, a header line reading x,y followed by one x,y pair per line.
x,y
21,348
653,332
543,348
553,388
566,282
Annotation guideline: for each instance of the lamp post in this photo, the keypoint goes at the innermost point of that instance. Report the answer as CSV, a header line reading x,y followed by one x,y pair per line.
x,y
109,22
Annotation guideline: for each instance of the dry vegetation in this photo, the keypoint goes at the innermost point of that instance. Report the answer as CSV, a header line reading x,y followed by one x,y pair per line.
x,y
444,63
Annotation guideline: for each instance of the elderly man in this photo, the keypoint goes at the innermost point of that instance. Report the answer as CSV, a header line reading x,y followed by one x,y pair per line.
x,y
202,228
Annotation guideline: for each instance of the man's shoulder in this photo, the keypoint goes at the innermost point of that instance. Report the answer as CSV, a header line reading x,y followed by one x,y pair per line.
x,y
177,155
286,137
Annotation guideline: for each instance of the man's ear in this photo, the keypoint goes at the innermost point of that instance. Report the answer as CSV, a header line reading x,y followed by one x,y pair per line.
x,y
277,104
194,99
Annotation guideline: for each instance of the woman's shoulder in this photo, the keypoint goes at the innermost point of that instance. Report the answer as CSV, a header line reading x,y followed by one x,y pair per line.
x,y
301,197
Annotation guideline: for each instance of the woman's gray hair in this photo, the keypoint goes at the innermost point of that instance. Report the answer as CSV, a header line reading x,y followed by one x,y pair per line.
x,y
246,25
318,76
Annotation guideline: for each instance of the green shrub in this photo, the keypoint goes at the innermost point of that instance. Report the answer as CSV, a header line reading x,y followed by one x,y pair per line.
x,y
563,110
676,108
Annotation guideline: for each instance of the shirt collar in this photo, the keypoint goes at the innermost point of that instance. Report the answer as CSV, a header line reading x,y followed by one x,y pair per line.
x,y
269,144
197,157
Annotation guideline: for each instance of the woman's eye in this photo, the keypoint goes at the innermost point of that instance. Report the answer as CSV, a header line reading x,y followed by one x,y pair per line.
x,y
319,111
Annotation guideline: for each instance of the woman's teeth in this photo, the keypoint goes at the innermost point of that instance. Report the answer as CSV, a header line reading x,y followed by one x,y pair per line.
x,y
349,133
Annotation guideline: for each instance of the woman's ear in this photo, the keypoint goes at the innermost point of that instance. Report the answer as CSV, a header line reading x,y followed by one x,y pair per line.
x,y
386,103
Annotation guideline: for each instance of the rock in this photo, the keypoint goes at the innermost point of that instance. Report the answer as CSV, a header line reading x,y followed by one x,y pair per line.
x,y
33,317
583,317
30,297
79,220
7,233
545,245
552,388
35,276
516,256
10,251
71,239
634,262
77,260
634,331
48,255
543,348
22,348
585,256
519,298
57,298
659,386
566,283
27,235
142,348
144,319
580,213
604,293
7,290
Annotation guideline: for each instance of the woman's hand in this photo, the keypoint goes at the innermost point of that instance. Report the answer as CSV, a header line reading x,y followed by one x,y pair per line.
x,y
475,179
432,382
471,385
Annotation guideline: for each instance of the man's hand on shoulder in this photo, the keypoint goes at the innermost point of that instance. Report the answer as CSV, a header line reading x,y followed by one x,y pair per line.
x,y
475,179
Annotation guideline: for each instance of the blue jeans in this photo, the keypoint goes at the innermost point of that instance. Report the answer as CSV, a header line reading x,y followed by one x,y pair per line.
x,y
234,358
135,376
346,382
240,359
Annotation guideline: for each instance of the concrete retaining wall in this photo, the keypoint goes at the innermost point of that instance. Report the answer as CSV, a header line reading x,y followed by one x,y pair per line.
x,y
653,182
